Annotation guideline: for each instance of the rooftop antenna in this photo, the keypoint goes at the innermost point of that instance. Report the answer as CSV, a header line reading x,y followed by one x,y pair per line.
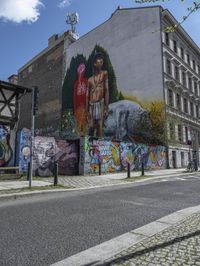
x,y
72,19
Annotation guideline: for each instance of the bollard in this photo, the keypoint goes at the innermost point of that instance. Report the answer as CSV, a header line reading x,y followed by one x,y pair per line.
x,y
99,168
128,170
55,174
28,171
142,168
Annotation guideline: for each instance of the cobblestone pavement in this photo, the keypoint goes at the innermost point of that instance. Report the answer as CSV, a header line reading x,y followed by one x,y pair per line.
x,y
87,181
178,245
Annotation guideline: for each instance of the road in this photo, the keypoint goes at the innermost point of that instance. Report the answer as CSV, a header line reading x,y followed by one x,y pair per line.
x,y
45,229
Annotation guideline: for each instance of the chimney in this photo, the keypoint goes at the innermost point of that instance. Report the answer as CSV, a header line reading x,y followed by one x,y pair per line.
x,y
13,79
52,39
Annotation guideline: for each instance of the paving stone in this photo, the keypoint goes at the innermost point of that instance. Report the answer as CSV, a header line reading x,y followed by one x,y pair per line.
x,y
178,245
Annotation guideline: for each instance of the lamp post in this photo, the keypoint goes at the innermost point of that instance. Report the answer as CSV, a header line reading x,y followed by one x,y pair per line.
x,y
35,95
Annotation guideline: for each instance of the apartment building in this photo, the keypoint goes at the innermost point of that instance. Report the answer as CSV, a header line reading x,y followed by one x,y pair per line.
x,y
181,60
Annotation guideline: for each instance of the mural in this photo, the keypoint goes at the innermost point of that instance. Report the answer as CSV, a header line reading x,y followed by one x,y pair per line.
x,y
47,151
67,157
6,152
115,156
93,104
105,152
23,149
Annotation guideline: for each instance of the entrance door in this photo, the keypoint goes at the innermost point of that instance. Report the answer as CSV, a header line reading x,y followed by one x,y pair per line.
x,y
173,159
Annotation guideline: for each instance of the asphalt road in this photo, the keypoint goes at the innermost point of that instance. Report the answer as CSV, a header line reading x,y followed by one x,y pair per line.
x,y
43,230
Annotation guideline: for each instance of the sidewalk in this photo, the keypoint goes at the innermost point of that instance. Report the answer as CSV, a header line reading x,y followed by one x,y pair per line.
x,y
173,240
90,181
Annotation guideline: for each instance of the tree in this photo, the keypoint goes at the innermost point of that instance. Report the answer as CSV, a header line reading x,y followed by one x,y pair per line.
x,y
190,10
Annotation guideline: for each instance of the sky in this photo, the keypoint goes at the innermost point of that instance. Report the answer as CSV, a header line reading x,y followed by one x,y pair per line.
x,y
26,25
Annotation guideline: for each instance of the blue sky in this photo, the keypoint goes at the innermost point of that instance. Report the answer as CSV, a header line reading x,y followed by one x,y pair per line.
x,y
26,25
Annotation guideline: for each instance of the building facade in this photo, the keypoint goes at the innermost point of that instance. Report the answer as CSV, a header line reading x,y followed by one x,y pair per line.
x,y
148,86
181,60
45,71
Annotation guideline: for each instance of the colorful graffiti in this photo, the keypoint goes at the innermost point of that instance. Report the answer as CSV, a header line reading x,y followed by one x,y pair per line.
x,y
5,148
105,152
115,156
24,149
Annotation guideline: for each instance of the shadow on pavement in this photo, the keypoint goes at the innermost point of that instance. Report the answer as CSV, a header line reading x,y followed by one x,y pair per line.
x,y
149,249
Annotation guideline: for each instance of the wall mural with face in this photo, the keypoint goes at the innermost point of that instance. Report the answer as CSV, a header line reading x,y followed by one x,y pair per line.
x,y
23,149
47,151
67,157
6,151
98,108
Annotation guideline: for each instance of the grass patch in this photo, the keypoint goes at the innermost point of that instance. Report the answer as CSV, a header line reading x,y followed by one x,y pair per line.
x,y
27,189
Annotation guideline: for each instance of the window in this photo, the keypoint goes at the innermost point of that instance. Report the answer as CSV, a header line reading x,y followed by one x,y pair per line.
x,y
183,78
186,134
176,73
197,111
182,53
178,102
175,46
185,105
195,88
199,69
171,130
167,38
169,71
188,59
190,83
194,65
191,109
180,133
170,98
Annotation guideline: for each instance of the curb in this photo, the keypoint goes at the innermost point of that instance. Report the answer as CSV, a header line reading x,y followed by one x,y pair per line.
x,y
97,255
14,196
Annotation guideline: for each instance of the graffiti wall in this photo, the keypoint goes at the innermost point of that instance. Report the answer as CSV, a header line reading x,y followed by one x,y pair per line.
x,y
67,157
47,151
23,149
105,152
6,147
108,90
115,156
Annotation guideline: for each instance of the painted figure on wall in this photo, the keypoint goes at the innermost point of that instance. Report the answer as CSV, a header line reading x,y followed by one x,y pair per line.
x,y
5,149
67,157
24,149
80,87
97,99
44,156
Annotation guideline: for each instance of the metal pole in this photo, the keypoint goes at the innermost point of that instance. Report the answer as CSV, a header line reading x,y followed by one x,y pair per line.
x,y
55,174
32,139
99,167
28,171
142,168
128,170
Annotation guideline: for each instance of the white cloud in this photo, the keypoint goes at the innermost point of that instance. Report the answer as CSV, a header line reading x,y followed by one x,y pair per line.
x,y
64,3
20,10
